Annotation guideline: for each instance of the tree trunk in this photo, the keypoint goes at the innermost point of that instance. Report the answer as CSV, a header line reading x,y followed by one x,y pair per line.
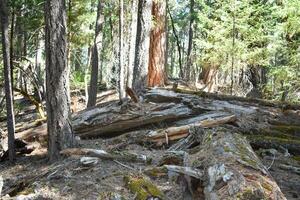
x,y
96,49
190,44
11,50
158,45
60,135
140,71
8,80
40,89
132,43
121,56
233,51
177,43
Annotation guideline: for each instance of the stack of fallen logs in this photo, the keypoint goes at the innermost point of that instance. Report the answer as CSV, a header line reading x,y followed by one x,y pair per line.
x,y
220,159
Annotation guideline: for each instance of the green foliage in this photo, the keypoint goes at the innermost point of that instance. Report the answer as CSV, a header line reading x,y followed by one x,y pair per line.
x,y
77,80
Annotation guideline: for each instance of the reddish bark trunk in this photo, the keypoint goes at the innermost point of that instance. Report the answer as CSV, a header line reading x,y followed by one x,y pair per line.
x,y
158,44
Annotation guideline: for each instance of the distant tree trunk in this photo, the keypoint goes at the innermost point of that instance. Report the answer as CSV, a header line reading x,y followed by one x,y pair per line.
x,y
60,135
172,60
77,59
140,71
131,51
96,49
38,68
208,75
158,45
178,44
8,80
11,50
233,53
190,44
122,93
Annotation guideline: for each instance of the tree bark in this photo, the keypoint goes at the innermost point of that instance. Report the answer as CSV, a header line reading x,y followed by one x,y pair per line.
x,y
140,71
132,43
121,56
158,45
190,43
96,49
8,79
60,135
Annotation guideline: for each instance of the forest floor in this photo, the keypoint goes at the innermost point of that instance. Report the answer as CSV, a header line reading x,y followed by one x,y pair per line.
x,y
32,177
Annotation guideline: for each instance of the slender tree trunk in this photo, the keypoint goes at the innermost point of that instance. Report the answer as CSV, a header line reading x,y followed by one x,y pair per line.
x,y
11,50
158,45
190,43
8,80
132,43
172,60
38,68
178,44
60,135
96,49
141,62
233,52
121,57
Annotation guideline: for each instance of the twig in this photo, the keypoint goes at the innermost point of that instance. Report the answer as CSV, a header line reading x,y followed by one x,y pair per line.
x,y
123,165
274,156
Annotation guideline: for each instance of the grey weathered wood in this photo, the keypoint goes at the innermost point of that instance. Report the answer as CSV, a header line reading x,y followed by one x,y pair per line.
x,y
232,169
99,153
199,103
113,119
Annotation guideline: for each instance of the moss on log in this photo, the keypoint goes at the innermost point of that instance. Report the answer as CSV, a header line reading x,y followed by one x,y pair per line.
x,y
143,189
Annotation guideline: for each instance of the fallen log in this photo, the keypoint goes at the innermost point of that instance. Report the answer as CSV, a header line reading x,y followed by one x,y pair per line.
x,y
231,169
175,133
114,119
257,101
200,103
121,156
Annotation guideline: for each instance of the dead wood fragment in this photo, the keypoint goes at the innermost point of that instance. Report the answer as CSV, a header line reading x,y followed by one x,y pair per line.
x,y
122,156
195,137
173,158
89,161
290,168
192,172
21,148
132,95
175,133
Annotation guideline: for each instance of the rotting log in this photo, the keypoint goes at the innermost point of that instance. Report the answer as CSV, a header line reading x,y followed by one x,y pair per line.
x,y
257,101
121,156
200,103
175,133
231,169
113,119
